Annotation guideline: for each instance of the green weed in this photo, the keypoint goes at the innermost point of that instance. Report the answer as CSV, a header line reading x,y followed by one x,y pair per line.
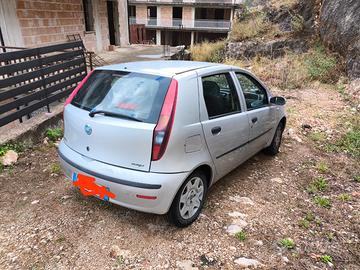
x,y
55,168
344,197
304,223
322,201
357,178
241,236
287,243
322,167
317,136
54,133
17,147
326,259
319,184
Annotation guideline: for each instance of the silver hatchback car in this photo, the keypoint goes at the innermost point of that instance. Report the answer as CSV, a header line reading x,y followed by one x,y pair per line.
x,y
155,136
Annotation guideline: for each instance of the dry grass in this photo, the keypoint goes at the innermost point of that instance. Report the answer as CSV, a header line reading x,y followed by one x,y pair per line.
x,y
283,3
254,25
292,70
287,72
208,51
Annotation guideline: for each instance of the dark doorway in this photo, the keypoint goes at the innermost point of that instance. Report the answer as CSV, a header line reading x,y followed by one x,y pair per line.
x,y
113,22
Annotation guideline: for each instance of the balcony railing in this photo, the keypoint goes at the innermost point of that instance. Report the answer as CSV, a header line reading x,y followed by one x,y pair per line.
x,y
180,23
199,2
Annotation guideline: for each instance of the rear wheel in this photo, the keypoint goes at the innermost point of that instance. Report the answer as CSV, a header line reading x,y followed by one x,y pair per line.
x,y
189,200
274,147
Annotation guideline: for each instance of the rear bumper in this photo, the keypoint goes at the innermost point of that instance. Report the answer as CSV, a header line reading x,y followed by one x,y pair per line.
x,y
125,183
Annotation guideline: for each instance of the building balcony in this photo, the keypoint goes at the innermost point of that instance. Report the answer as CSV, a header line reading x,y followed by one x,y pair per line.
x,y
198,24
187,2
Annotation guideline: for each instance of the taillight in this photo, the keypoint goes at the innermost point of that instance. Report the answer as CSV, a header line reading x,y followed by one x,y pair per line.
x,y
77,88
163,128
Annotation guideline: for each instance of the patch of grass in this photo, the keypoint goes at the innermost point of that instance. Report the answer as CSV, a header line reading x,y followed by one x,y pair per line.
x,y
55,168
254,25
120,260
60,239
54,134
319,184
17,147
350,142
297,23
322,167
310,216
287,243
304,223
326,259
241,236
208,51
322,66
344,197
322,201
357,178
317,136
329,236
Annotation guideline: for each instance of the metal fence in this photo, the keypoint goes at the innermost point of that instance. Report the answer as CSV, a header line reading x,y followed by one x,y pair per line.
x,y
33,78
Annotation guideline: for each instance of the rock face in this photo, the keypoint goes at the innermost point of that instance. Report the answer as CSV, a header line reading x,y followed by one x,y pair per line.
x,y
272,49
340,30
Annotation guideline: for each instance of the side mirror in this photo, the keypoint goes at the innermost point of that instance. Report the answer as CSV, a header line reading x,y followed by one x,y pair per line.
x,y
278,101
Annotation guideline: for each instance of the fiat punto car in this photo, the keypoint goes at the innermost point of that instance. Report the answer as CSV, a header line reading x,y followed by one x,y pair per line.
x,y
155,136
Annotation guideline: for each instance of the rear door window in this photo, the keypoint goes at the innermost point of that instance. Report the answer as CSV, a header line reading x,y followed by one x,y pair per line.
x,y
220,95
133,94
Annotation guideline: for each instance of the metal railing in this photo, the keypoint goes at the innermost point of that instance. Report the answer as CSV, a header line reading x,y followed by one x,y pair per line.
x,y
180,23
223,2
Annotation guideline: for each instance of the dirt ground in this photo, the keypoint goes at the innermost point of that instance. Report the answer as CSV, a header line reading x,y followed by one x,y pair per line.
x,y
47,224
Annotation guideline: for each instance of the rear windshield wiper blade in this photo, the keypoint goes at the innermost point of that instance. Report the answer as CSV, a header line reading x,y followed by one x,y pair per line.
x,y
93,112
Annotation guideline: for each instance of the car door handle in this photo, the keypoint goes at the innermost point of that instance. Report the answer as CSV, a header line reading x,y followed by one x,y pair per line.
x,y
215,130
254,120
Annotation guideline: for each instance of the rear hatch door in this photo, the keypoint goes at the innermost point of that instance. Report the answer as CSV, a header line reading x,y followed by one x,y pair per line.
x,y
112,117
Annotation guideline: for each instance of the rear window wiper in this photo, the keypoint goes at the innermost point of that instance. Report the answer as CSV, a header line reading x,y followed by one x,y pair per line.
x,y
119,115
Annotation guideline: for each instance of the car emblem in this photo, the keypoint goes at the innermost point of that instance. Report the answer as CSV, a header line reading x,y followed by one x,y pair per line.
x,y
88,129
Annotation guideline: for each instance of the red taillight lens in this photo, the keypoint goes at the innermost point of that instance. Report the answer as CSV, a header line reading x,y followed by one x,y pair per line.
x,y
78,87
163,128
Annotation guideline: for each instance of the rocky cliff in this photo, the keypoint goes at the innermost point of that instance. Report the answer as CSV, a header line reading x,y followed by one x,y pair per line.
x,y
340,30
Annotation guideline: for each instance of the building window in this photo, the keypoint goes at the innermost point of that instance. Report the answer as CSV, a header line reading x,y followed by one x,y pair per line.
x,y
152,15
132,11
88,15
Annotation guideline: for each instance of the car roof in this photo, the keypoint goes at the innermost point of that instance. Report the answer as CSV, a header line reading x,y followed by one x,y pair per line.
x,y
167,68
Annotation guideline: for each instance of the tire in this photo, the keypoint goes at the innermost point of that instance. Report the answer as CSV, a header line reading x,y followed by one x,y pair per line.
x,y
274,147
189,200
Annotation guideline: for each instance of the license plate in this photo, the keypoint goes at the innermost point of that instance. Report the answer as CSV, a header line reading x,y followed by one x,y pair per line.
x,y
88,187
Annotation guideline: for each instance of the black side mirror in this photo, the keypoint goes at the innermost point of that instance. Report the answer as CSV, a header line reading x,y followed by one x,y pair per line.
x,y
278,100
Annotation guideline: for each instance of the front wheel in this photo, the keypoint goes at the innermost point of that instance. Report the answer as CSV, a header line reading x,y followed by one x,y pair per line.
x,y
274,147
189,200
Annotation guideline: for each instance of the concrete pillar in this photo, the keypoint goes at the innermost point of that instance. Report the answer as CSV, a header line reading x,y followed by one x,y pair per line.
x,y
158,37
192,38
123,22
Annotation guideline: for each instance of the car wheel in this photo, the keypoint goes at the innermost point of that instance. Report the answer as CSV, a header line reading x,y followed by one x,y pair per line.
x,y
274,147
189,200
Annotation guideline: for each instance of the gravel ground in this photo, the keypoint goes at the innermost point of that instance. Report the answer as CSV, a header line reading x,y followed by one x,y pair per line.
x,y
47,224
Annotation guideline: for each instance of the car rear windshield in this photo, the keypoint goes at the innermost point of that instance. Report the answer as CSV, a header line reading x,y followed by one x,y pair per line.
x,y
131,94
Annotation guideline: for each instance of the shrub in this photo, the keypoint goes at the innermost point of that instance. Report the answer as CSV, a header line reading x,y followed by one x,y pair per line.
x,y
208,51
54,133
322,66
